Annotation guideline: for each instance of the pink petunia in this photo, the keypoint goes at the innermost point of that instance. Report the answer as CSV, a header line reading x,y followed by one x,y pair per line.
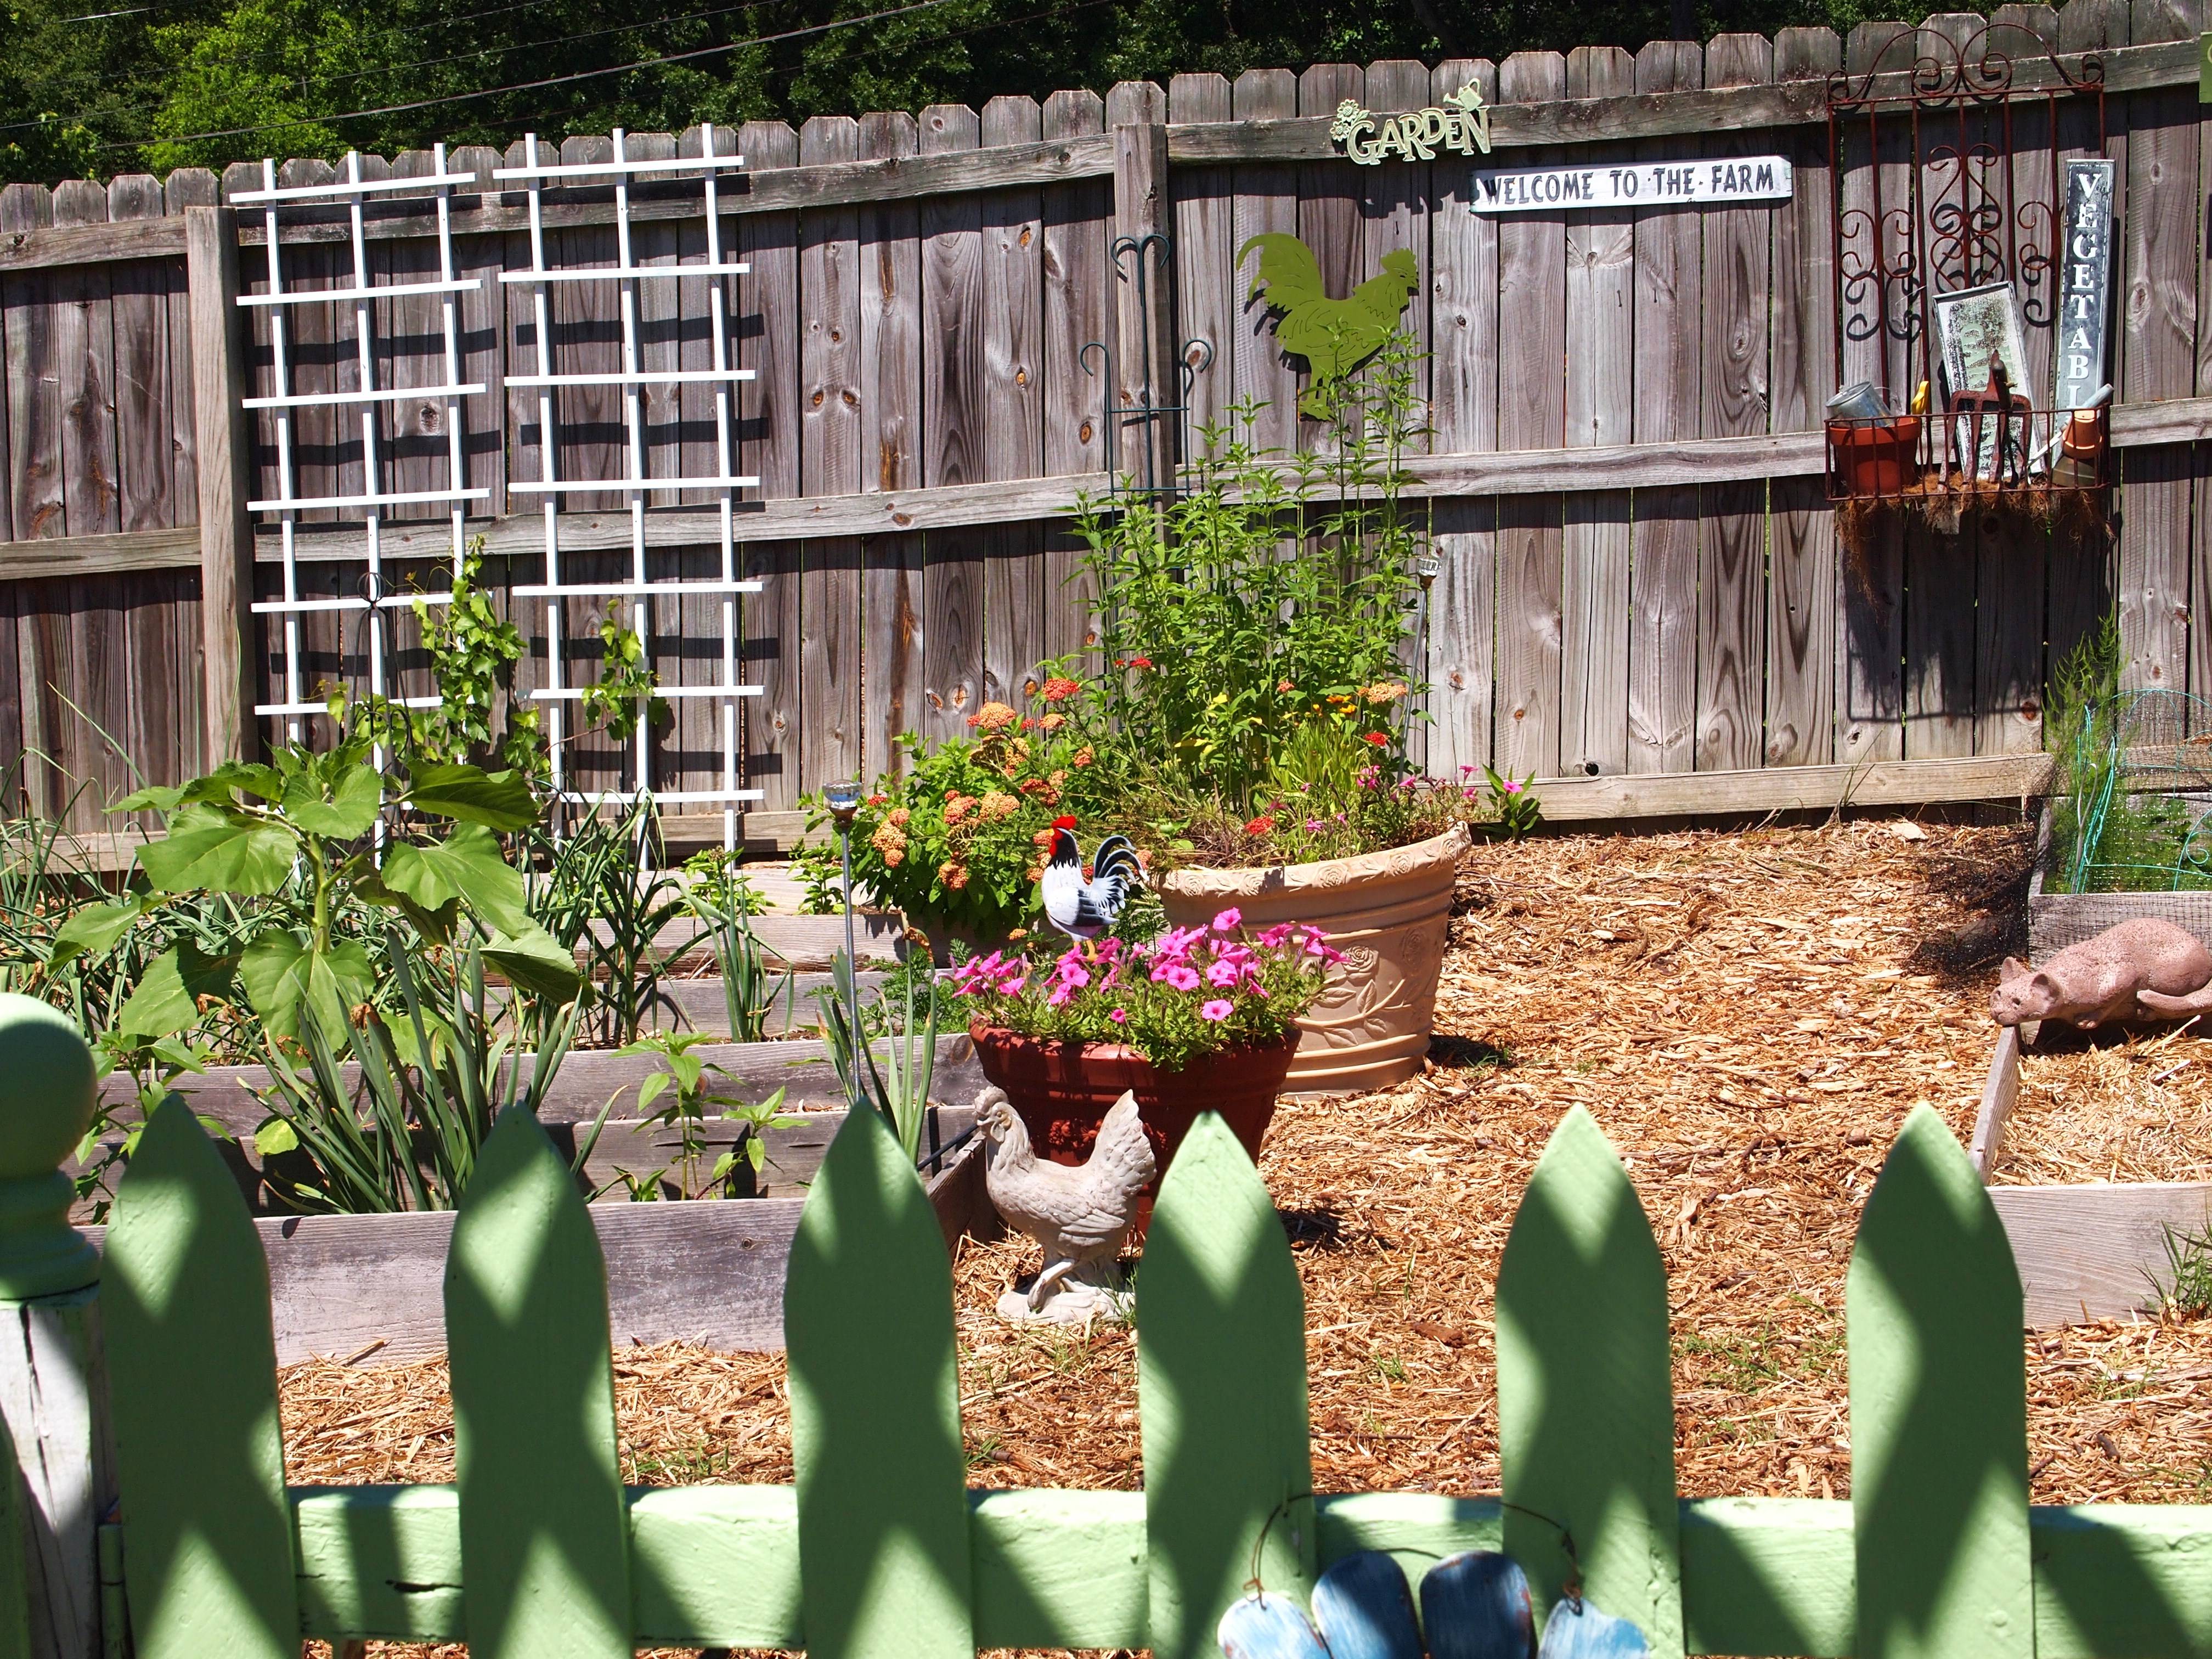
x,y
1220,1008
1276,937
1179,977
1120,1016
1221,973
1228,921
1061,995
1073,974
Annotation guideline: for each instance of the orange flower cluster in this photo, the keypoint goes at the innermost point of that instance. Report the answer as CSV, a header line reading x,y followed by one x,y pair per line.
x,y
890,841
1060,689
994,717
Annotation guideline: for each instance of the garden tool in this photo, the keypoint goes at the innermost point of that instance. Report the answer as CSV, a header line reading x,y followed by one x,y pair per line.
x,y
2011,411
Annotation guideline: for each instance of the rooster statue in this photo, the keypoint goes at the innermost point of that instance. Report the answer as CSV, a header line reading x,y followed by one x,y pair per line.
x,y
1084,908
1079,1215
1334,335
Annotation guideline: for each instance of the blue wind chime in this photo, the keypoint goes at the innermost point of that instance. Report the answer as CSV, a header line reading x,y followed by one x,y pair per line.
x,y
1474,1606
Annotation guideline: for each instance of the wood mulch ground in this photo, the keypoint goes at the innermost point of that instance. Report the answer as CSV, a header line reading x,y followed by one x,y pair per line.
x,y
1749,1015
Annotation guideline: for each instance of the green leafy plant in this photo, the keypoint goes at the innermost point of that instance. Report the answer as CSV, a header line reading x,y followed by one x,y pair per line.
x,y
1220,648
433,1080
302,831
1193,991
2186,1292
472,651
622,694
818,866
686,1112
597,901
954,835
726,902
898,1086
1515,809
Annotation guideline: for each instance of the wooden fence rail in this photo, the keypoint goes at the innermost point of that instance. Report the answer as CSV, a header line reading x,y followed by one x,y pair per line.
x,y
879,1548
1641,575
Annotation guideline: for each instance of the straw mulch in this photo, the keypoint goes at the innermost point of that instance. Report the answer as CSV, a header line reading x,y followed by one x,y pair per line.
x,y
2135,1108
1749,1015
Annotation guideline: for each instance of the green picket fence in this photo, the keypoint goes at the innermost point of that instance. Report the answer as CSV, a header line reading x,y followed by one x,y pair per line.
x,y
539,1552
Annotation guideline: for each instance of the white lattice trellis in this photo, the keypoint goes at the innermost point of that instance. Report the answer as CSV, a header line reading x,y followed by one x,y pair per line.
x,y
367,397
643,587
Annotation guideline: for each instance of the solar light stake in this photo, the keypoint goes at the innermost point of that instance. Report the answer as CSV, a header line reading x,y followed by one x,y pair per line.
x,y
844,800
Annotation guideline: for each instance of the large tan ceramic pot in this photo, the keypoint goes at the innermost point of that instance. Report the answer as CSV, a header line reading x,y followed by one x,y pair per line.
x,y
1387,912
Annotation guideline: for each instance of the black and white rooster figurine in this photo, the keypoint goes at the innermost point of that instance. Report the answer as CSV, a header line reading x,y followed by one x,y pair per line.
x,y
1084,909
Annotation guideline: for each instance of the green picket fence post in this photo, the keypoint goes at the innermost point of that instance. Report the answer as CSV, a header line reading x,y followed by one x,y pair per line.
x,y
191,1368
883,1555
50,1434
1585,1399
544,1536
1939,1413
1221,1391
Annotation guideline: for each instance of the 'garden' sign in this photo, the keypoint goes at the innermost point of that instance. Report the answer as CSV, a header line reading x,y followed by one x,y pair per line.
x,y
1462,125
1646,183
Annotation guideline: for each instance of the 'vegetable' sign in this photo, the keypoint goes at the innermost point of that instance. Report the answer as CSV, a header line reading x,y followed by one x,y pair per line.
x,y
1646,183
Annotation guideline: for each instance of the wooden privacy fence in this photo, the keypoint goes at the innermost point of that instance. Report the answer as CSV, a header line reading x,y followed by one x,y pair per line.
x,y
1640,573
879,1549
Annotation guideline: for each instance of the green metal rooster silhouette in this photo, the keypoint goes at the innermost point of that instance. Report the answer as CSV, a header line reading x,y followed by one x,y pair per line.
x,y
1334,335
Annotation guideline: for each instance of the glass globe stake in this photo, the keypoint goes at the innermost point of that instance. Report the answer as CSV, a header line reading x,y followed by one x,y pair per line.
x,y
844,800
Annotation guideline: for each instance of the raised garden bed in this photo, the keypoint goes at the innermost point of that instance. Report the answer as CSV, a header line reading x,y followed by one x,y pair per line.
x,y
2091,1249
368,1290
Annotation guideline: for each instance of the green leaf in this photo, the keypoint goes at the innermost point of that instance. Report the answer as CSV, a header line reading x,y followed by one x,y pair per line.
x,y
153,797
342,811
652,1088
165,1001
209,847
498,800
534,960
92,930
467,865
274,1137
280,970
368,886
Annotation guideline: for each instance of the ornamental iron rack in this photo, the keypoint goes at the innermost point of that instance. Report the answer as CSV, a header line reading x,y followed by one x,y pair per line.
x,y
1972,268
1159,424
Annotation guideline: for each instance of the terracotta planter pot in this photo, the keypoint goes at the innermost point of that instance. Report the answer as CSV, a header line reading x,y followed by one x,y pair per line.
x,y
1063,1091
1387,912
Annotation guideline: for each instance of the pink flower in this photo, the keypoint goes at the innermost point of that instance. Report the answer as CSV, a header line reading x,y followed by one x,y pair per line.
x,y
1120,1016
1179,977
1512,788
1228,921
1060,996
1276,937
1220,1008
1313,824
1012,987
1221,973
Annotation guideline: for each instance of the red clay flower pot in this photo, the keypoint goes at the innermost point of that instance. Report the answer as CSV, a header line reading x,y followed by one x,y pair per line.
x,y
1063,1091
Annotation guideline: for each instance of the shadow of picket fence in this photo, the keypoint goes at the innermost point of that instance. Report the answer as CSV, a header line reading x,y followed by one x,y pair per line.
x,y
879,1549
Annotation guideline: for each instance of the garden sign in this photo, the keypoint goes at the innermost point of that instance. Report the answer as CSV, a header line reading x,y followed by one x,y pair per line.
x,y
1462,125
1645,184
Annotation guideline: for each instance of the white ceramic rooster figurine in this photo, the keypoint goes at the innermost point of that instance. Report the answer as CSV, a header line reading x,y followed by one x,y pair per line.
x,y
1080,909
1079,1215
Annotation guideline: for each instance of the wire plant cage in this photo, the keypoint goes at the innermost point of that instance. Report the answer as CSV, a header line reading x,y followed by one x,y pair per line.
x,y
1976,344
2131,805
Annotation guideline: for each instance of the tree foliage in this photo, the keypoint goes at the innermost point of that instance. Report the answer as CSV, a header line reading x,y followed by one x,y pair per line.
x,y
92,88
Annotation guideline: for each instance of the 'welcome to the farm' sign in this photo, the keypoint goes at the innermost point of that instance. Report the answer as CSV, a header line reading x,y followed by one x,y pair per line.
x,y
1645,184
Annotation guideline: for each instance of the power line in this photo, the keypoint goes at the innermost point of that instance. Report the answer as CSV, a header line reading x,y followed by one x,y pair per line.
x,y
533,86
